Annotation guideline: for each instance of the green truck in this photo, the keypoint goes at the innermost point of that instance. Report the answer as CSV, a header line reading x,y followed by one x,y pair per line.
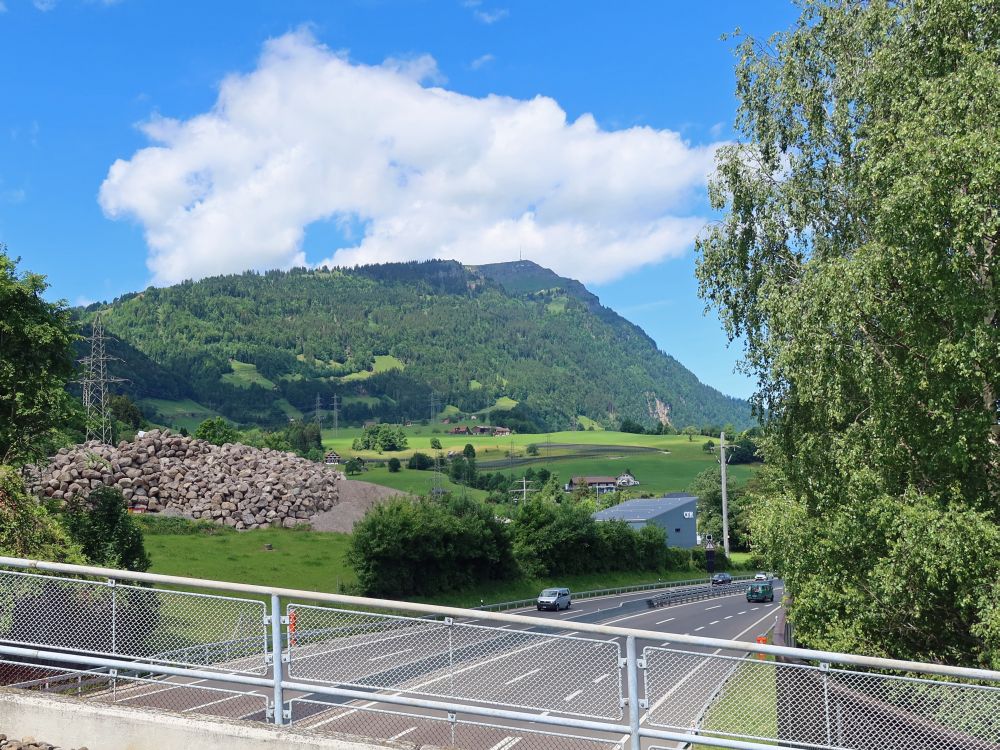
x,y
760,591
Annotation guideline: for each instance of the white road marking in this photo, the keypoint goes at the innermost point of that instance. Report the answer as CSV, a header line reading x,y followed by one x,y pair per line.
x,y
401,734
714,622
521,677
728,617
667,620
394,653
742,613
715,607
572,695
602,677
754,609
701,628
506,743
677,685
212,703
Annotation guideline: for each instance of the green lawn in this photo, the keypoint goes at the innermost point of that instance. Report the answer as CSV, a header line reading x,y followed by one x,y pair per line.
x,y
300,559
746,706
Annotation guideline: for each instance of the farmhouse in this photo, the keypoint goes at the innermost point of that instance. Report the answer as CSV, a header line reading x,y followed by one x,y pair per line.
x,y
460,430
332,458
626,479
676,513
600,485
501,431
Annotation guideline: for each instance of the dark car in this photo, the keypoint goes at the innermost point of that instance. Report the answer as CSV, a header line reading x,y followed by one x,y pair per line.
x,y
720,579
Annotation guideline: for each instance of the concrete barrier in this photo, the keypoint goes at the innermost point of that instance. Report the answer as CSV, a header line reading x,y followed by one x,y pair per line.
x,y
68,722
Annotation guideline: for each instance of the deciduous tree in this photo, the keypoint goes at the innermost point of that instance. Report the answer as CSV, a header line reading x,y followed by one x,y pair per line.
x,y
857,257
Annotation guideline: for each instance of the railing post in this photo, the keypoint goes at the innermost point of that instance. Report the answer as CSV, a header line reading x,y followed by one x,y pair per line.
x,y
825,666
632,672
276,659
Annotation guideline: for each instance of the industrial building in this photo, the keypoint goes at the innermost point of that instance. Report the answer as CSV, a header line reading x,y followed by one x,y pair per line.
x,y
676,514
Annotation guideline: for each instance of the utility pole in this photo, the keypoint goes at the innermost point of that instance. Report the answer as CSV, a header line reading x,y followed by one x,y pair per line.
x,y
725,493
319,412
524,488
95,385
434,407
336,414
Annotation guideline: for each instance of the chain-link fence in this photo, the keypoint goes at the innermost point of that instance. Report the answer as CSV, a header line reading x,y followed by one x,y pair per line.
x,y
437,729
484,681
108,686
805,705
447,659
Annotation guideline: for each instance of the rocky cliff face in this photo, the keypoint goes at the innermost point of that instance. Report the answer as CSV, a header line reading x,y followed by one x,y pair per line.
x,y
233,484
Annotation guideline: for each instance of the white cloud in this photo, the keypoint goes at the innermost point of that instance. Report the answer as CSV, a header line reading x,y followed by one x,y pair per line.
x,y
44,5
492,16
424,172
481,61
3,7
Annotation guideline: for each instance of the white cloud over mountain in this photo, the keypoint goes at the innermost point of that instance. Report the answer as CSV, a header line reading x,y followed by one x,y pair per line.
x,y
425,172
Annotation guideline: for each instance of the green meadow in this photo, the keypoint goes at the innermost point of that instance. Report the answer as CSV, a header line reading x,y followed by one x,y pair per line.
x,y
661,463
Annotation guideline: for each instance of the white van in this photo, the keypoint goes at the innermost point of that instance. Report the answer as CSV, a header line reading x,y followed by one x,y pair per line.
x,y
554,599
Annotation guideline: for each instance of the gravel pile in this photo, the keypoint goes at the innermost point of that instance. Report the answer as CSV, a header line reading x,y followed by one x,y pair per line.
x,y
162,472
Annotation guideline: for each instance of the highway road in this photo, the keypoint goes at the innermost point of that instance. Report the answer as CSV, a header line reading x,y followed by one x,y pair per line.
x,y
475,662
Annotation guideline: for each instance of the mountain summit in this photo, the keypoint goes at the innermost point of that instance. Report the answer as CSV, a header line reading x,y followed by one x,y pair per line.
x,y
399,341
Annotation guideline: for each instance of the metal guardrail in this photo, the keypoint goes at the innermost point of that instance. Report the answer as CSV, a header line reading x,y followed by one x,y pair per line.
x,y
693,594
498,672
614,591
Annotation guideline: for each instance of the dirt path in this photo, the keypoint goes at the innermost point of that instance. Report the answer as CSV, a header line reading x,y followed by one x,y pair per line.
x,y
355,499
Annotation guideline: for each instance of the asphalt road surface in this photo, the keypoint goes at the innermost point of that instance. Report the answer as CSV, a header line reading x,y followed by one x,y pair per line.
x,y
476,662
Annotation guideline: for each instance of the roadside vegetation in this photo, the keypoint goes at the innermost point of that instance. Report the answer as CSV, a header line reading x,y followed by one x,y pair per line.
x,y
857,258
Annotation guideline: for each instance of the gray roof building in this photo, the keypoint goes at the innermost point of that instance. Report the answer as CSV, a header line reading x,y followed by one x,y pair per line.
x,y
676,513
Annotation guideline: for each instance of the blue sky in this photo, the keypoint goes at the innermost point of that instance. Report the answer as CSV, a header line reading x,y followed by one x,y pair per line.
x,y
614,200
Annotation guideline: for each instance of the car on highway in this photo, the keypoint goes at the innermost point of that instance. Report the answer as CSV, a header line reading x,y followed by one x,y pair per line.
x,y
760,591
554,599
762,576
720,579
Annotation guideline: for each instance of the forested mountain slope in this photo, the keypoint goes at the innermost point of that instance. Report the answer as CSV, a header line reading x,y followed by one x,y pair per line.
x,y
384,338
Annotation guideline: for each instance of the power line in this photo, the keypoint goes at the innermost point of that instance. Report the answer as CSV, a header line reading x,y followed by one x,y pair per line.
x,y
319,412
336,414
95,385
524,489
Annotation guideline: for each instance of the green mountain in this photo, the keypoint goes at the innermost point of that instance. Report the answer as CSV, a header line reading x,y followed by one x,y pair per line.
x,y
513,339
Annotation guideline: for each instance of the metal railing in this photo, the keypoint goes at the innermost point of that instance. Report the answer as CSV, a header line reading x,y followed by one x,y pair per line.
x,y
613,591
695,593
330,662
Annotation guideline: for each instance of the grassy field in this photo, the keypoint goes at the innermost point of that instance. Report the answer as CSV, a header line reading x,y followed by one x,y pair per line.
x,y
187,413
315,561
300,559
244,375
383,363
661,463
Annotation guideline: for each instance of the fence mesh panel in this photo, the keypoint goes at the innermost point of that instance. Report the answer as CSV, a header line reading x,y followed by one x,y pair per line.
x,y
499,666
95,617
170,694
436,729
812,706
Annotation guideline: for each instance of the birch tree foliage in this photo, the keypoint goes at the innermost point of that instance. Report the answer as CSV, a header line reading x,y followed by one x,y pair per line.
x,y
857,257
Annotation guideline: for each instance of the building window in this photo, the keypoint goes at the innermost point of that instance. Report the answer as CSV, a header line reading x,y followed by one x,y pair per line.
x,y
677,531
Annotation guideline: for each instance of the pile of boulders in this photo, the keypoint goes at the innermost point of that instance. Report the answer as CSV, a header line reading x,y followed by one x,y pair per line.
x,y
163,472
28,743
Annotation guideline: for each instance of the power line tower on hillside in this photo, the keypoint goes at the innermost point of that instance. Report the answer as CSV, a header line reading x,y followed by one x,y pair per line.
x,y
95,383
318,412
435,406
523,490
